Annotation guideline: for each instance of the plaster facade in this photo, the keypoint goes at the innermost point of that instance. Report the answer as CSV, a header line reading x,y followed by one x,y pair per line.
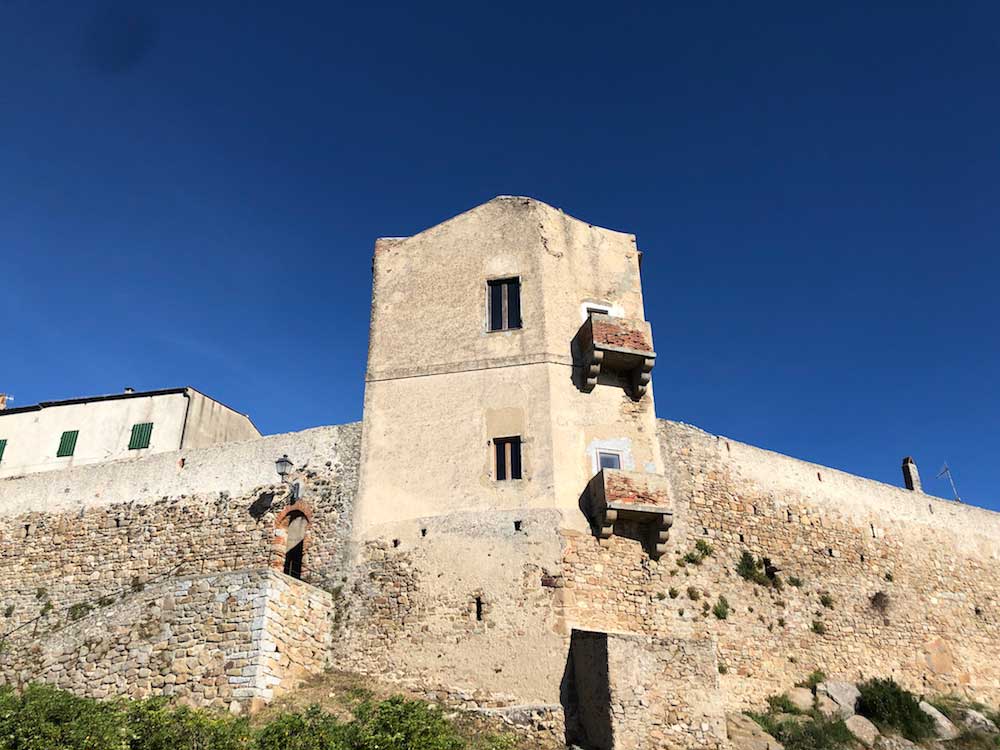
x,y
180,418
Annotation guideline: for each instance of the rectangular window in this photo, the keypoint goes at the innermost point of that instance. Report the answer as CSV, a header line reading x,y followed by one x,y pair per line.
x,y
507,455
67,443
609,460
140,436
3,446
505,304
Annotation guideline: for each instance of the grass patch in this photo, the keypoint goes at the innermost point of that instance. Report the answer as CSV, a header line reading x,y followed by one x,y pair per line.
x,y
818,627
826,600
815,678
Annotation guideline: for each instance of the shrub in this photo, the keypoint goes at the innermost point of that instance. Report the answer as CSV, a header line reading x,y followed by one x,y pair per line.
x,y
400,724
41,592
312,730
154,724
673,593
826,600
888,576
44,718
721,608
818,627
795,581
660,595
781,622
704,548
693,594
9,610
888,705
812,734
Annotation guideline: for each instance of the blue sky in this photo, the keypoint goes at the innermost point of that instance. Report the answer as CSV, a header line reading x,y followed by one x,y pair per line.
x,y
189,194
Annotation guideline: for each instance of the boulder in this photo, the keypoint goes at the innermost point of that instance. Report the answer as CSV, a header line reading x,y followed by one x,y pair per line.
x,y
894,743
827,707
942,726
801,698
746,734
844,694
976,722
863,730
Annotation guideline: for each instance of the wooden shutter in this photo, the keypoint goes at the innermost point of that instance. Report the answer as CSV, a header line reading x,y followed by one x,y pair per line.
x,y
67,443
140,436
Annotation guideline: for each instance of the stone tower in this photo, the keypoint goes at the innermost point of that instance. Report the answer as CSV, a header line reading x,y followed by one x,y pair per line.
x,y
509,361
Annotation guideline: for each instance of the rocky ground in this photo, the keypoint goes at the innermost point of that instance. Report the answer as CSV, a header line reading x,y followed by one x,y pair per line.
x,y
821,714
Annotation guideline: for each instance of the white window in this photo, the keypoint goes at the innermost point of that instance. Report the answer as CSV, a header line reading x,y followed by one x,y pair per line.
x,y
609,460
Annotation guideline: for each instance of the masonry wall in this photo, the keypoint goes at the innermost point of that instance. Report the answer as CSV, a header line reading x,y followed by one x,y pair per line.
x,y
209,640
934,562
77,550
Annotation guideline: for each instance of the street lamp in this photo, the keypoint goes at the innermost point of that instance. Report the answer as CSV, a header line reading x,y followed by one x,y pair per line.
x,y
283,466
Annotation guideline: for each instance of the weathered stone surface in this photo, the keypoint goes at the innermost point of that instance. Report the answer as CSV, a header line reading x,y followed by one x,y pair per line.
x,y
893,742
827,707
942,725
801,698
745,734
976,721
865,732
844,694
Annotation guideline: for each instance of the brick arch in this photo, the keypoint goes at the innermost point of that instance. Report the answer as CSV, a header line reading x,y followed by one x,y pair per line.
x,y
279,547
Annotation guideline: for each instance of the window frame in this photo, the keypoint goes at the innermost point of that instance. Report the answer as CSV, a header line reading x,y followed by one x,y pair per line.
x,y
3,447
504,284
67,443
511,464
612,453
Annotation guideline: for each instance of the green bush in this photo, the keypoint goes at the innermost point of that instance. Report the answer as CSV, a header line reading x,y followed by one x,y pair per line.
x,y
826,600
794,581
812,734
758,570
312,730
44,718
400,724
673,593
704,548
888,705
780,704
818,627
154,724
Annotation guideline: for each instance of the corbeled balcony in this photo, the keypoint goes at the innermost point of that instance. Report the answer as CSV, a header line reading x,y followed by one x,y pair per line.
x,y
615,495
617,347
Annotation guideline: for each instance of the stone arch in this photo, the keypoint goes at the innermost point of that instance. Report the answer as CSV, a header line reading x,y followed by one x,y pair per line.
x,y
291,538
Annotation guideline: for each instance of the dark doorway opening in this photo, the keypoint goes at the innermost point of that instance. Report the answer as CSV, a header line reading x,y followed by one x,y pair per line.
x,y
295,540
293,561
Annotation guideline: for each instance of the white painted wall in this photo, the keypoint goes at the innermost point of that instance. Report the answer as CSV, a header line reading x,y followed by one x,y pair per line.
x,y
105,428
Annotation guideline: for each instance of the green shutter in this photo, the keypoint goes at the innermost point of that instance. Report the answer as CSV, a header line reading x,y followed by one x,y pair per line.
x,y
140,436
3,444
67,443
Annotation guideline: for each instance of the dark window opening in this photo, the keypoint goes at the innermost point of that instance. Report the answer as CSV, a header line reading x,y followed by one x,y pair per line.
x,y
505,304
295,541
423,532
609,460
517,525
479,608
395,542
67,443
293,561
507,457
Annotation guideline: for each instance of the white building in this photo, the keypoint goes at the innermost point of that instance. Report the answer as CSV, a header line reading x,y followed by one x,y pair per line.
x,y
59,434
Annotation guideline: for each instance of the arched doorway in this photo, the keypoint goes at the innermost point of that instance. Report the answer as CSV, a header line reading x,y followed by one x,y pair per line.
x,y
295,539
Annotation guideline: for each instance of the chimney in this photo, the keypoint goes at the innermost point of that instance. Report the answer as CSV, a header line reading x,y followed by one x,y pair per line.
x,y
910,475
3,401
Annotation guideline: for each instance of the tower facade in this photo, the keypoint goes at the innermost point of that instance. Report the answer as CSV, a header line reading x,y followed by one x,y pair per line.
x,y
509,363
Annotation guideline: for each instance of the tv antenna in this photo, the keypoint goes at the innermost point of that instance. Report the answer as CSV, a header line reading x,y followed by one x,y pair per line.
x,y
946,472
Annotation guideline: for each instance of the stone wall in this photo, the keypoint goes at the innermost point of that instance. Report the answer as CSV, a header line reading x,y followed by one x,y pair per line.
x,y
632,691
891,582
208,640
80,550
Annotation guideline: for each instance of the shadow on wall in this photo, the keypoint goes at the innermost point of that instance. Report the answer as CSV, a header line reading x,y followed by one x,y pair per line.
x,y
585,692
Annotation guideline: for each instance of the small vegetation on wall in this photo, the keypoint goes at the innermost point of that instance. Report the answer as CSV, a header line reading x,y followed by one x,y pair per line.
x,y
721,608
826,600
818,627
815,678
79,610
795,581
796,731
880,602
702,549
758,570
693,593
44,718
